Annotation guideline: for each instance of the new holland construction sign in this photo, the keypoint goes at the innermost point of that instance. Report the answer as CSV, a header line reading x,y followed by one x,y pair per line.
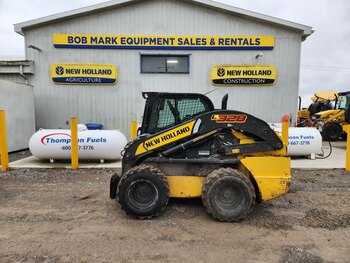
x,y
243,75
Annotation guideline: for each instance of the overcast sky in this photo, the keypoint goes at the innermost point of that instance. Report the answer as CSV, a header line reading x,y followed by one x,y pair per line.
x,y
325,54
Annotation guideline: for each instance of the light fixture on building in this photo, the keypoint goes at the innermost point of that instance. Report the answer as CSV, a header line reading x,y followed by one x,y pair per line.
x,y
259,55
34,47
173,61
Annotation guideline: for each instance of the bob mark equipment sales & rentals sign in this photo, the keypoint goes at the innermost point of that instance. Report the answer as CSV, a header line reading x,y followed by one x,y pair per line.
x,y
164,42
84,74
243,75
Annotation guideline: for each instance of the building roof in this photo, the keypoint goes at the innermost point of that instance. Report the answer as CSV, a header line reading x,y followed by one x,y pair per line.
x,y
303,29
16,66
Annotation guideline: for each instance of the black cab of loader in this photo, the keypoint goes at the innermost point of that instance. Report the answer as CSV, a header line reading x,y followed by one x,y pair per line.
x,y
163,110
186,149
343,103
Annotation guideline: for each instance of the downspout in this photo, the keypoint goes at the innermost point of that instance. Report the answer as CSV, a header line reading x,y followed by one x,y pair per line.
x,y
22,74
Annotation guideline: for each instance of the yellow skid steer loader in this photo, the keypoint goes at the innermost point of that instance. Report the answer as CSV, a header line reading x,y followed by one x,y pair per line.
x,y
188,149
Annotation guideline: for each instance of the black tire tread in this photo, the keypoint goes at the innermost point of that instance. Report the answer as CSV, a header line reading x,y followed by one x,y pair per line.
x,y
144,169
329,126
212,177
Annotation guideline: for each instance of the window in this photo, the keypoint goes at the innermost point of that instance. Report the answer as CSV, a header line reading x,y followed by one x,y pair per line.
x,y
342,102
166,64
167,112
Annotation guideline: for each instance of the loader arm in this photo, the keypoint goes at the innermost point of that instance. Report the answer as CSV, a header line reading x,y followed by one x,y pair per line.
x,y
202,128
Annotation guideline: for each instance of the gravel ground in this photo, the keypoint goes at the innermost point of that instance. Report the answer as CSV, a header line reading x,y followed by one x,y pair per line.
x,y
66,216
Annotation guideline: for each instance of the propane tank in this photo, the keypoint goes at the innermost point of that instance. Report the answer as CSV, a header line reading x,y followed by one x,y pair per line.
x,y
302,141
92,144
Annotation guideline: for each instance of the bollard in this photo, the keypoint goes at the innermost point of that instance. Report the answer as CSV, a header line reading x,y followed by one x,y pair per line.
x,y
133,129
74,143
285,127
347,161
3,143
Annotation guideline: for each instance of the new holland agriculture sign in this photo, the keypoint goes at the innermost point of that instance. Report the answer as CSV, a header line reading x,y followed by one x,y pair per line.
x,y
164,42
97,74
243,75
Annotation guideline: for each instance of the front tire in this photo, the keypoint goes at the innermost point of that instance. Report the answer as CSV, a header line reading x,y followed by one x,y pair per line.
x,y
143,192
228,195
332,132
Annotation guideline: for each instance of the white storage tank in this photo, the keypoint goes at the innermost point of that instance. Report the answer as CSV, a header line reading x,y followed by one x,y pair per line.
x,y
92,144
302,141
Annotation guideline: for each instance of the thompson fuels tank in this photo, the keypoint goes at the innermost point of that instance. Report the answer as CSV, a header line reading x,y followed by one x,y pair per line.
x,y
92,144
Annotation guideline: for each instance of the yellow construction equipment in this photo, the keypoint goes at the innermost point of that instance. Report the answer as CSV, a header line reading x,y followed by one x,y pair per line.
x,y
188,149
321,101
332,123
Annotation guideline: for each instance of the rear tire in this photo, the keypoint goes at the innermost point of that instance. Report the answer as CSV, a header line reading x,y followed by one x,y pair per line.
x,y
228,195
143,192
332,132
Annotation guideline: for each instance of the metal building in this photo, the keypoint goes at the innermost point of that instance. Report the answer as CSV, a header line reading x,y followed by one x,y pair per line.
x,y
160,45
18,102
17,71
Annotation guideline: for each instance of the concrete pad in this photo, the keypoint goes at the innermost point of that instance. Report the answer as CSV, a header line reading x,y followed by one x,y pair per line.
x,y
33,162
338,144
335,160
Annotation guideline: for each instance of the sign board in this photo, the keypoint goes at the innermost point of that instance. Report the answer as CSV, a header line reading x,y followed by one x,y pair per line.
x,y
243,75
97,74
164,42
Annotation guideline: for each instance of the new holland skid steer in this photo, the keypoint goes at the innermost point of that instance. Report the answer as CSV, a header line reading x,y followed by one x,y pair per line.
x,y
187,149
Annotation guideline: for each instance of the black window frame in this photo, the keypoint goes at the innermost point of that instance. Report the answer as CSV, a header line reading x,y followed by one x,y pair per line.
x,y
166,56
153,98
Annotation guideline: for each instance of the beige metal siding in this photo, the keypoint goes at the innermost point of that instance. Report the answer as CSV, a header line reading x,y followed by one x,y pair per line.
x,y
18,102
13,77
115,106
